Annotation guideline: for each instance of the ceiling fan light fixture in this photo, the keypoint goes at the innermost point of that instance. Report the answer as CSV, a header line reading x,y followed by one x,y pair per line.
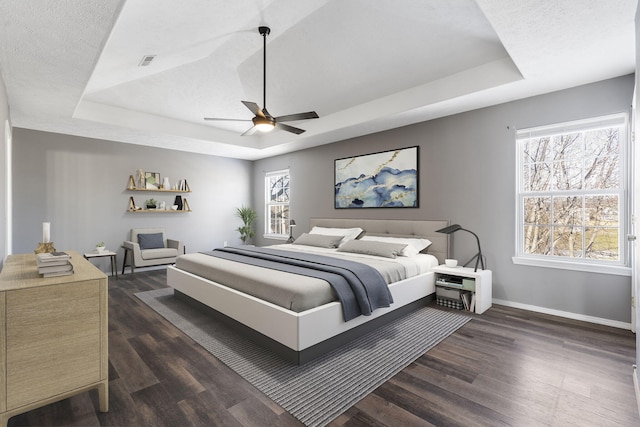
x,y
264,124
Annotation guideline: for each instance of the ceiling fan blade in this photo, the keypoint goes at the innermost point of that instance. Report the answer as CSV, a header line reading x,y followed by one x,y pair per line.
x,y
299,116
226,120
288,128
253,107
250,131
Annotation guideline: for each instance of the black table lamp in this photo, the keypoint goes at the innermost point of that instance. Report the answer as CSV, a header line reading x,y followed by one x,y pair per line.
x,y
292,224
478,257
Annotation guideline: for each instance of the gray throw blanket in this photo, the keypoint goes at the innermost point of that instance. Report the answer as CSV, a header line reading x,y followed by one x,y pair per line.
x,y
360,288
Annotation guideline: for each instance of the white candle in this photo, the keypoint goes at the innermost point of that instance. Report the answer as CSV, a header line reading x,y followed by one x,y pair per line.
x,y
46,232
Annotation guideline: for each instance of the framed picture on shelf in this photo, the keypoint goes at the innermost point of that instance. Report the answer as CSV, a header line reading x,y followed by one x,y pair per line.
x,y
152,180
387,179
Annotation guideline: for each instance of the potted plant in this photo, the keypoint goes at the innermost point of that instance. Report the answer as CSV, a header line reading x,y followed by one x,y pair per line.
x,y
150,203
100,247
248,215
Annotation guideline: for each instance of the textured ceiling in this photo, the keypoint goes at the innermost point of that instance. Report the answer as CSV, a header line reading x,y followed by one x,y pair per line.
x,y
71,66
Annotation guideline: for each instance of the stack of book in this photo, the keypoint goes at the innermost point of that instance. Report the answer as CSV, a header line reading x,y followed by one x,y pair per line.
x,y
54,264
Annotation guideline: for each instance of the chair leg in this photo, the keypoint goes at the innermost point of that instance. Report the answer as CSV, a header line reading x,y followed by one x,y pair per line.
x,y
131,260
124,260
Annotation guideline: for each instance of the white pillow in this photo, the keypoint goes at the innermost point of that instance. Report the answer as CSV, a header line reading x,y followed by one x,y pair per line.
x,y
320,240
383,249
414,246
348,233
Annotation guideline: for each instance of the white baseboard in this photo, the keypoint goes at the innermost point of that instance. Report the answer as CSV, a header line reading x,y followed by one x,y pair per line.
x,y
567,314
636,386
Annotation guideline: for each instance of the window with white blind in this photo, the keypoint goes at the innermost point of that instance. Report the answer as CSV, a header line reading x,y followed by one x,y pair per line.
x,y
277,204
572,198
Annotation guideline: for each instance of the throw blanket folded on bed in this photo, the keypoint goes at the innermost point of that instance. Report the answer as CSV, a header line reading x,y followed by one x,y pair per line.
x,y
360,288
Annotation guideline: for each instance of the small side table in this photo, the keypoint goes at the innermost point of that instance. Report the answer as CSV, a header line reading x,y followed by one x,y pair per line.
x,y
479,282
110,254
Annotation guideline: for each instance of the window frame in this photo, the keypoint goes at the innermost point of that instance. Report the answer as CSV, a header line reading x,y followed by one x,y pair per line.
x,y
268,204
622,265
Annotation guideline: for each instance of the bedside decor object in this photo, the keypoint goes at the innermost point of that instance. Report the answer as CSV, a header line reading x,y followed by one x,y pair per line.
x,y
150,203
388,179
46,246
478,257
178,202
152,180
292,223
46,232
100,247
451,263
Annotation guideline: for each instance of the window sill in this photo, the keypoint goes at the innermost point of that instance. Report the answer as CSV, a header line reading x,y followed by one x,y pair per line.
x,y
276,236
618,270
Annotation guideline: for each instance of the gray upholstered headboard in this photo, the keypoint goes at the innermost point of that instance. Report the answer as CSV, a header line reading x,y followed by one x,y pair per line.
x,y
396,228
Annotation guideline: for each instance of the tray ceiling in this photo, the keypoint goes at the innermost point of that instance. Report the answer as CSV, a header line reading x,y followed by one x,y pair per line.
x,y
73,66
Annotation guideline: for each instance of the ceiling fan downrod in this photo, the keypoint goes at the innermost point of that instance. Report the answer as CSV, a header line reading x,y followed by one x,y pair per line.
x,y
264,31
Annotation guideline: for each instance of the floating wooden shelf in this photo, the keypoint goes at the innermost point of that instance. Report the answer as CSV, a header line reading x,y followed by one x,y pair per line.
x,y
132,204
132,187
158,211
185,207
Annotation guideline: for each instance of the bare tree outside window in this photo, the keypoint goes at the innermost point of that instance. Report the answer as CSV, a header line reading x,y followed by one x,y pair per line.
x,y
571,192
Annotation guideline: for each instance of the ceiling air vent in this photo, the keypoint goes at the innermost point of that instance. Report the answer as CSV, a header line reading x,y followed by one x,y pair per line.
x,y
146,60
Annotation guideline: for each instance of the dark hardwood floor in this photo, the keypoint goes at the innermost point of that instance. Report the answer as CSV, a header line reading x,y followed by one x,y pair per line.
x,y
505,367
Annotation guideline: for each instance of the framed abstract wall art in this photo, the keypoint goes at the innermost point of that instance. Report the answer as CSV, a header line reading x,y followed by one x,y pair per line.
x,y
388,179
152,180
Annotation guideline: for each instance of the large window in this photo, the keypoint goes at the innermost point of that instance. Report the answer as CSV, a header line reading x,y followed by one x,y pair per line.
x,y
277,204
572,196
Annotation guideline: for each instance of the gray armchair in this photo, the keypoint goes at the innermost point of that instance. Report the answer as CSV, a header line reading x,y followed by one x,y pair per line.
x,y
150,247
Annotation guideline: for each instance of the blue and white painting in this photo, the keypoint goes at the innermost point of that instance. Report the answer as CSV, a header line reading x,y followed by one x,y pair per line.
x,y
380,180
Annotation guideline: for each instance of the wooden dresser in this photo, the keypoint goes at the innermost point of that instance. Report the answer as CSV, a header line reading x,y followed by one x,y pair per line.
x,y
53,335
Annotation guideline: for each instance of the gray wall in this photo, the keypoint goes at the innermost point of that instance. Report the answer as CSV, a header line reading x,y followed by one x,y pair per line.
x,y
4,117
637,195
467,175
79,185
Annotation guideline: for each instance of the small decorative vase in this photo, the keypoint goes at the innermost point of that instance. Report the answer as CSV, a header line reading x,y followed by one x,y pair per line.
x,y
166,184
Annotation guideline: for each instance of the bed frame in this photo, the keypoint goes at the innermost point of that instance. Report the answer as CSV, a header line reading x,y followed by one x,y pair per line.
x,y
301,337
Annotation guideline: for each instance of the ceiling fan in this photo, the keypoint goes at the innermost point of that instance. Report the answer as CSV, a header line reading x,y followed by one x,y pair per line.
x,y
262,120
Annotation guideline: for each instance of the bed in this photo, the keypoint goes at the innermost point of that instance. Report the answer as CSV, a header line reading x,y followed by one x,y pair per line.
x,y
305,334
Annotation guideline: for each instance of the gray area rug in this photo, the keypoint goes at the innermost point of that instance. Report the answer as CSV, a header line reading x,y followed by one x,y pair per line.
x,y
319,391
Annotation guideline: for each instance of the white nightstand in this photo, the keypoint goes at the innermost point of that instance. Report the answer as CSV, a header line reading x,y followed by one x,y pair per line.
x,y
478,282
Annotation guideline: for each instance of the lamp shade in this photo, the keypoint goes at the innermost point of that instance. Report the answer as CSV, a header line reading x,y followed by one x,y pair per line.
x,y
292,223
450,229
